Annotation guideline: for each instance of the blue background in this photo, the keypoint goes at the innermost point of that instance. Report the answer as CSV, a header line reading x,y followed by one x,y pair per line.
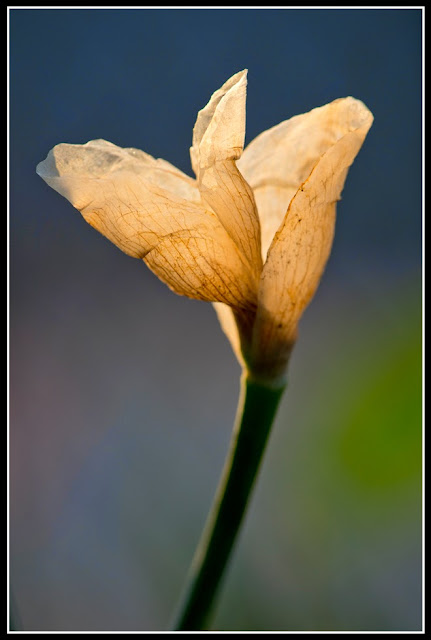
x,y
123,394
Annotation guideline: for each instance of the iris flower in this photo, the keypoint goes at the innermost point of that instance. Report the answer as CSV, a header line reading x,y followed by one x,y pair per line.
x,y
251,233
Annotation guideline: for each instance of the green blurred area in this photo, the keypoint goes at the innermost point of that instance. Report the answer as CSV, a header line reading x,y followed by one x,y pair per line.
x,y
379,448
370,427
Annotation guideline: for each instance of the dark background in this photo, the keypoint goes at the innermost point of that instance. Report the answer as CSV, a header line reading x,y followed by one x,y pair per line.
x,y
122,394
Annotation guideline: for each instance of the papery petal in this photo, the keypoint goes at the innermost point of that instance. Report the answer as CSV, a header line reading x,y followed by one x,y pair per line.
x,y
280,159
218,140
230,328
301,247
140,204
224,190
101,159
237,324
219,130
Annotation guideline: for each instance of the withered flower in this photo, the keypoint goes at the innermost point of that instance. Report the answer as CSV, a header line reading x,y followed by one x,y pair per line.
x,y
252,233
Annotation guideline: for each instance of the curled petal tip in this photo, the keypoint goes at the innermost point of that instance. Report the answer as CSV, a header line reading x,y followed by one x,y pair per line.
x,y
48,167
219,130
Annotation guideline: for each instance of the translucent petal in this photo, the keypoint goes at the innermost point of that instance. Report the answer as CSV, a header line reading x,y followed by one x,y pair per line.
x,y
301,247
230,328
218,139
150,210
279,160
219,130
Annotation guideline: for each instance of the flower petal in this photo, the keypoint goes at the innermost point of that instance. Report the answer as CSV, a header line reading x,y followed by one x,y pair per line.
x,y
230,328
224,190
301,247
237,324
101,159
218,140
140,204
280,159
219,131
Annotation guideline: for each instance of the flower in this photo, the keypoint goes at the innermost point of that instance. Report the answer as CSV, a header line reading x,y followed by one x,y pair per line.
x,y
252,233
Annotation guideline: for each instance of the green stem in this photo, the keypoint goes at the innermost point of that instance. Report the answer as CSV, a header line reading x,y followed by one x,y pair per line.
x,y
257,407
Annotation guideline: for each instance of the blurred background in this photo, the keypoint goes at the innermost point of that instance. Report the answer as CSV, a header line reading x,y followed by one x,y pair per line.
x,y
123,395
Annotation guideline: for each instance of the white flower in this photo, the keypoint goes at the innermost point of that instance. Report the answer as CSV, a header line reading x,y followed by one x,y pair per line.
x,y
252,233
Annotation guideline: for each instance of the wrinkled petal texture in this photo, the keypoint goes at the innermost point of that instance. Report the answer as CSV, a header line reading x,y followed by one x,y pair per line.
x,y
301,246
218,140
151,210
279,160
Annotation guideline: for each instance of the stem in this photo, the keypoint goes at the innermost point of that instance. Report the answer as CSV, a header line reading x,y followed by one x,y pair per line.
x,y
257,406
